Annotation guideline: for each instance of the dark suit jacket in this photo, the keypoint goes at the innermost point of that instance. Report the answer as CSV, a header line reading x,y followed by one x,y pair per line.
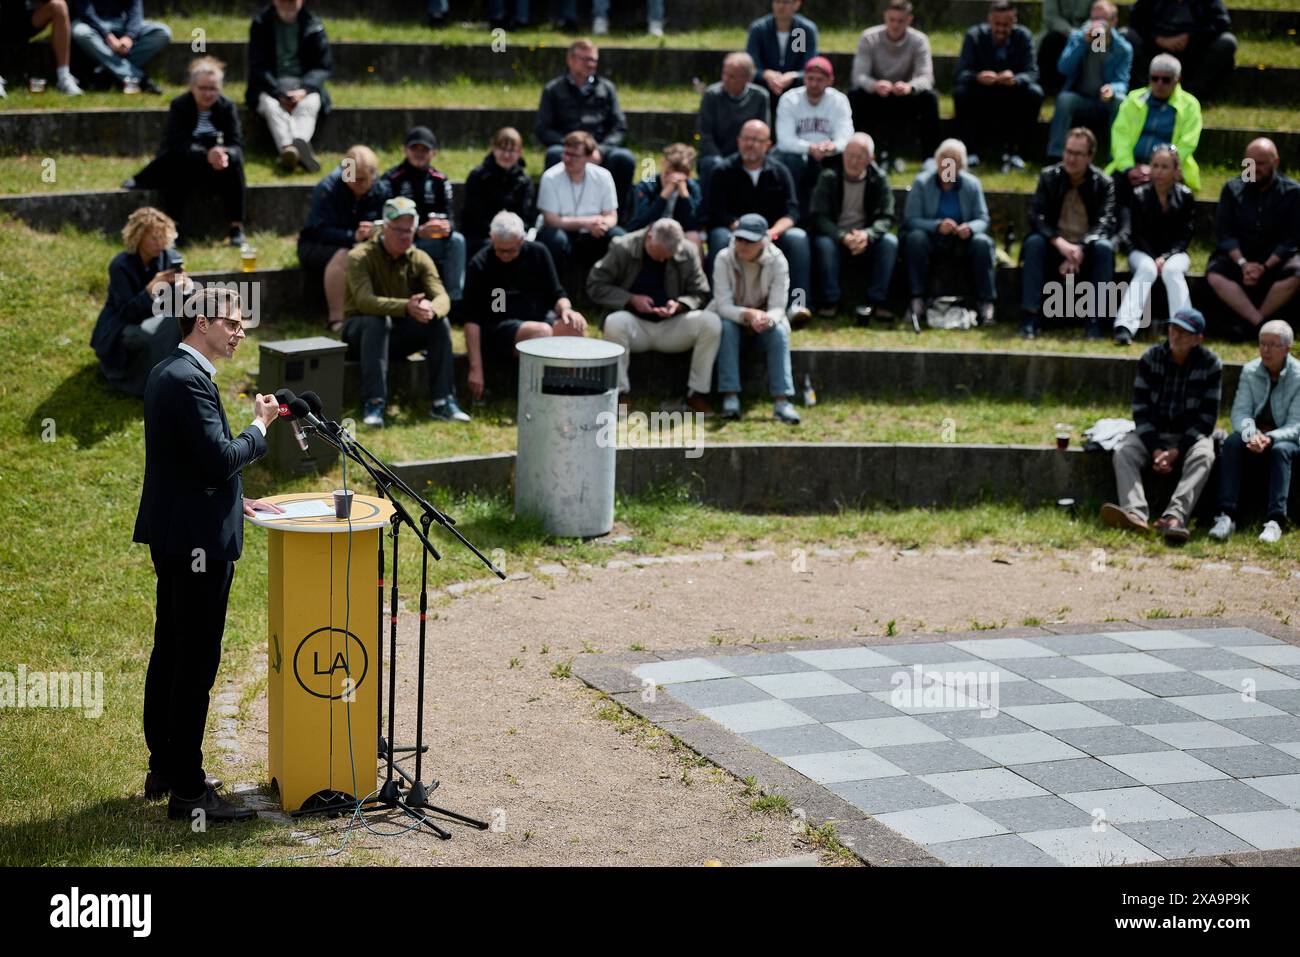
x,y
765,49
313,55
978,52
193,494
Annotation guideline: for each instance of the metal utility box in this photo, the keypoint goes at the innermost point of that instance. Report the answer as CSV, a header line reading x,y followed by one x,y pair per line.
x,y
312,364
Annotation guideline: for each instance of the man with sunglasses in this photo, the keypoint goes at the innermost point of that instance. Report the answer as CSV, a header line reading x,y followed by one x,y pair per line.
x,y
1149,117
191,517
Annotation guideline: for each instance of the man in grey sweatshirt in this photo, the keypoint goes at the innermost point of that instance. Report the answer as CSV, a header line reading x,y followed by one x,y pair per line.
x,y
724,108
893,84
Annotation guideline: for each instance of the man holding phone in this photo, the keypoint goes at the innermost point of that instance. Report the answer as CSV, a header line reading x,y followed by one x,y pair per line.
x,y
191,517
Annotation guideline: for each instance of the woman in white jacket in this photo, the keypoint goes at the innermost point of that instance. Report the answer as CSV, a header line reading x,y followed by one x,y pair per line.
x,y
751,283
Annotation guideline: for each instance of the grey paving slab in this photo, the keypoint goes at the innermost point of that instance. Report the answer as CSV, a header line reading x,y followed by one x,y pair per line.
x,y
1027,692
1055,717
1278,654
1256,761
1288,701
770,663
1194,659
1118,805
846,707
838,766
1057,666
1291,671
928,700
1284,788
1076,774
1143,711
871,679
1292,748
1174,684
882,795
805,739
1163,767
1267,830
1233,637
880,732
806,684
1085,847
989,784
839,659
685,669
978,724
757,716
1043,813
1094,689
1081,644
716,691
998,649
1219,706
935,757
1196,734
1030,747
1002,850
1253,679
1129,663
1154,639
1119,739
1220,797
1184,837
938,825
925,654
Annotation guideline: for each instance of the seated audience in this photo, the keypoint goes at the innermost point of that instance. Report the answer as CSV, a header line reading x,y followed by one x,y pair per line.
x,y
117,37
1195,31
202,150
579,205
780,44
946,215
1162,113
1060,19
751,283
654,10
1266,423
1175,405
579,100
499,183
1095,69
395,306
997,95
724,108
132,335
344,206
653,280
1071,231
671,194
19,22
813,124
512,293
893,85
288,64
419,180
853,211
1156,227
1256,258
753,182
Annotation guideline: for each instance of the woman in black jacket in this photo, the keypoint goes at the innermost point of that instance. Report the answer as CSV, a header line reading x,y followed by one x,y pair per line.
x,y
289,101
132,335
1156,228
202,150
499,182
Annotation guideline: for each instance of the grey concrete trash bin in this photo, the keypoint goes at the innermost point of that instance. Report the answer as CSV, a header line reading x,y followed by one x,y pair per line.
x,y
564,468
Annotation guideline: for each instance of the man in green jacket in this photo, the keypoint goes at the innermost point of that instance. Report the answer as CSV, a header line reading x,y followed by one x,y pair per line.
x,y
395,304
1265,422
1160,113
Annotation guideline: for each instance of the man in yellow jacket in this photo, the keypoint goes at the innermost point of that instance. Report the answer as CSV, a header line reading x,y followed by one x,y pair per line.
x,y
1162,112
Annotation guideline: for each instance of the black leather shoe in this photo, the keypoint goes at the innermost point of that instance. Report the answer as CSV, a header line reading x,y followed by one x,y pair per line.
x,y
157,787
213,806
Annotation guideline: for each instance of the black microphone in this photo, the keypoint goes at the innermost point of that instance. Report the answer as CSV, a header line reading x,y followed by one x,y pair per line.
x,y
287,401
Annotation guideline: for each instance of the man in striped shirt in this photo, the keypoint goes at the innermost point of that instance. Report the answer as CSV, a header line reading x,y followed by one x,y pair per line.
x,y
1175,407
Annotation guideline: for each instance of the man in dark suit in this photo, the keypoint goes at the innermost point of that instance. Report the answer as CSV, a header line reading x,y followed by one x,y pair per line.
x,y
191,517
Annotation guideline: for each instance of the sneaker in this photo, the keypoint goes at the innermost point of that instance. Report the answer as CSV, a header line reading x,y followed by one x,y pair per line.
x,y
236,237
1117,517
374,414
600,26
898,165
973,160
3,94
1272,532
985,314
289,158
149,86
656,28
1223,527
697,403
306,156
68,85
731,407
1123,337
915,311
1015,162
862,315
784,411
448,411
129,183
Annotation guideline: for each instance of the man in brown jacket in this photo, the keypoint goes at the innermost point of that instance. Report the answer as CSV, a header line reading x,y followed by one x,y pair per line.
x,y
654,280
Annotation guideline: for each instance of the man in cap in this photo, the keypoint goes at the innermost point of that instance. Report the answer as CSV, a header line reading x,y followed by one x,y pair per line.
x,y
396,305
417,179
813,123
1175,405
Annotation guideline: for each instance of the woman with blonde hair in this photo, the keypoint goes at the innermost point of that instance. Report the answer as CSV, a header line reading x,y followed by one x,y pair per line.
x,y
135,329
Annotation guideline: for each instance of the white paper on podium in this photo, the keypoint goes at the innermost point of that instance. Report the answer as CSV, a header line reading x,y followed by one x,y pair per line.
x,y
310,508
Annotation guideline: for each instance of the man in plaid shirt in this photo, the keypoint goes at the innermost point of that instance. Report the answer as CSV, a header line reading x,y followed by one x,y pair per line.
x,y
1175,406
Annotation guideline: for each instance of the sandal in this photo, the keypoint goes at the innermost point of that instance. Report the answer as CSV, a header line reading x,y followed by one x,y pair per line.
x,y
1173,529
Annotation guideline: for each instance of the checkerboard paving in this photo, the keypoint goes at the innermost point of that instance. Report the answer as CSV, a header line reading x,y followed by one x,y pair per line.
x,y
1108,748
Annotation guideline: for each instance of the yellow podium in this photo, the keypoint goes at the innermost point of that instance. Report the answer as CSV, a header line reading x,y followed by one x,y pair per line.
x,y
323,650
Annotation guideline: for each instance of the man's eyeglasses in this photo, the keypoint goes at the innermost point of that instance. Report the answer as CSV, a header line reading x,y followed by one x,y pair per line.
x,y
1160,78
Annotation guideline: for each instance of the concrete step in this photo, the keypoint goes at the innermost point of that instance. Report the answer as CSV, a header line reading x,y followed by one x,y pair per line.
x,y
138,131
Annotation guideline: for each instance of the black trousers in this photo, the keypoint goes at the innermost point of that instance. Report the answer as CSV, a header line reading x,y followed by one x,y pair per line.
x,y
998,119
376,339
891,120
1206,64
1049,51
180,176
191,618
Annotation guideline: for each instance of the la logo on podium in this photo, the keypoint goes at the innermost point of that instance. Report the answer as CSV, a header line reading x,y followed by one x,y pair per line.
x,y
321,663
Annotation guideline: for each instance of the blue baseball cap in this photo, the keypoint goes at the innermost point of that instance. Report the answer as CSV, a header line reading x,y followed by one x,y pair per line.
x,y
1189,319
752,228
